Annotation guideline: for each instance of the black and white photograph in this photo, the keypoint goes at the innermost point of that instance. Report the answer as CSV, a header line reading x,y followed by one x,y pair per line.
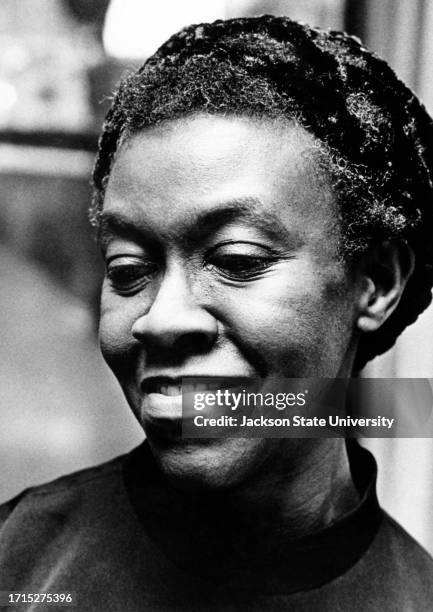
x,y
216,331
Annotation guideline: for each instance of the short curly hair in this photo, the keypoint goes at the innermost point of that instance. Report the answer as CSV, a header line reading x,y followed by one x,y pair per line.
x,y
377,135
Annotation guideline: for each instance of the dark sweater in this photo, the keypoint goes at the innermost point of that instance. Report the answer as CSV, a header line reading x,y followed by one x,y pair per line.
x,y
91,533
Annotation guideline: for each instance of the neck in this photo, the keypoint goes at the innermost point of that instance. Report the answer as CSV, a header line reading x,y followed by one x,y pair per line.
x,y
227,530
300,499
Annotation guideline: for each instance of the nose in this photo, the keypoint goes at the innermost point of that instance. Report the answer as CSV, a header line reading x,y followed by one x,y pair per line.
x,y
175,320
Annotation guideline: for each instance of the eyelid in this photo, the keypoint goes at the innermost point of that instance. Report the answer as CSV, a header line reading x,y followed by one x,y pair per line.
x,y
260,246
127,256
143,245
119,247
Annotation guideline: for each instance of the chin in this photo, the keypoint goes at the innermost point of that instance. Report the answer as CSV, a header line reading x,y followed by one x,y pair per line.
x,y
212,464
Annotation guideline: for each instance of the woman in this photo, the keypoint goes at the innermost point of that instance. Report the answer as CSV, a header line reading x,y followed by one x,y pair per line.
x,y
263,204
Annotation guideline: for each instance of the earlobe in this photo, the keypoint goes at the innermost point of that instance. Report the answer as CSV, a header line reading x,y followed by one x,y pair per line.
x,y
383,275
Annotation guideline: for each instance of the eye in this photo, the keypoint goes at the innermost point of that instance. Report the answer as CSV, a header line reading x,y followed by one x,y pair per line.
x,y
128,275
240,261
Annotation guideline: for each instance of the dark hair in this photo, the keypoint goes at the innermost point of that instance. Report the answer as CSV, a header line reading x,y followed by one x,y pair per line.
x,y
377,135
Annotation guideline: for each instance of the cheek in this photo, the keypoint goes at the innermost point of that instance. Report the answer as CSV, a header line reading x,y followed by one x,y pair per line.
x,y
296,328
116,341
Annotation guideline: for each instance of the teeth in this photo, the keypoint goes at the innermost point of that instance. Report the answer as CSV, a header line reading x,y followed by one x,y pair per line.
x,y
172,389
200,387
197,387
169,389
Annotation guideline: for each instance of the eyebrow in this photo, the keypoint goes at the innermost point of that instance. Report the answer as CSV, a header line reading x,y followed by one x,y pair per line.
x,y
250,209
115,224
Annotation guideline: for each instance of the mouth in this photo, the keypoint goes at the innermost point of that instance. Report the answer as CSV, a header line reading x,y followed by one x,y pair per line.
x,y
161,407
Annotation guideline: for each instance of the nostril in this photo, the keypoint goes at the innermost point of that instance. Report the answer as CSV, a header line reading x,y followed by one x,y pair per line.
x,y
194,342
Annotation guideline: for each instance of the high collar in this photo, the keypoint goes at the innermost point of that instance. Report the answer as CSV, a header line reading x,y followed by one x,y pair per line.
x,y
300,564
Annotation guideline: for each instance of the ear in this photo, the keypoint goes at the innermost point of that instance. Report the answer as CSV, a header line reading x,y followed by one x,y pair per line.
x,y
382,277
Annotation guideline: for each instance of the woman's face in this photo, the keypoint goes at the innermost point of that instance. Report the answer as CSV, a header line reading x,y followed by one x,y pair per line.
x,y
220,240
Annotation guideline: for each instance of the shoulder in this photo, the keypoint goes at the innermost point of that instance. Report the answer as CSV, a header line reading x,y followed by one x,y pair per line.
x,y
409,558
63,492
54,533
396,571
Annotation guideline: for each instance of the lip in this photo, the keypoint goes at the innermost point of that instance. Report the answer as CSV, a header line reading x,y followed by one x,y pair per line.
x,y
160,409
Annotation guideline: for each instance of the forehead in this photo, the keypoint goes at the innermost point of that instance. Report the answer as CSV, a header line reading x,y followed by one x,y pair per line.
x,y
172,172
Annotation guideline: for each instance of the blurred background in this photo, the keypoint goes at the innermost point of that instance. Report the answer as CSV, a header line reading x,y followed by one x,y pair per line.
x,y
61,409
